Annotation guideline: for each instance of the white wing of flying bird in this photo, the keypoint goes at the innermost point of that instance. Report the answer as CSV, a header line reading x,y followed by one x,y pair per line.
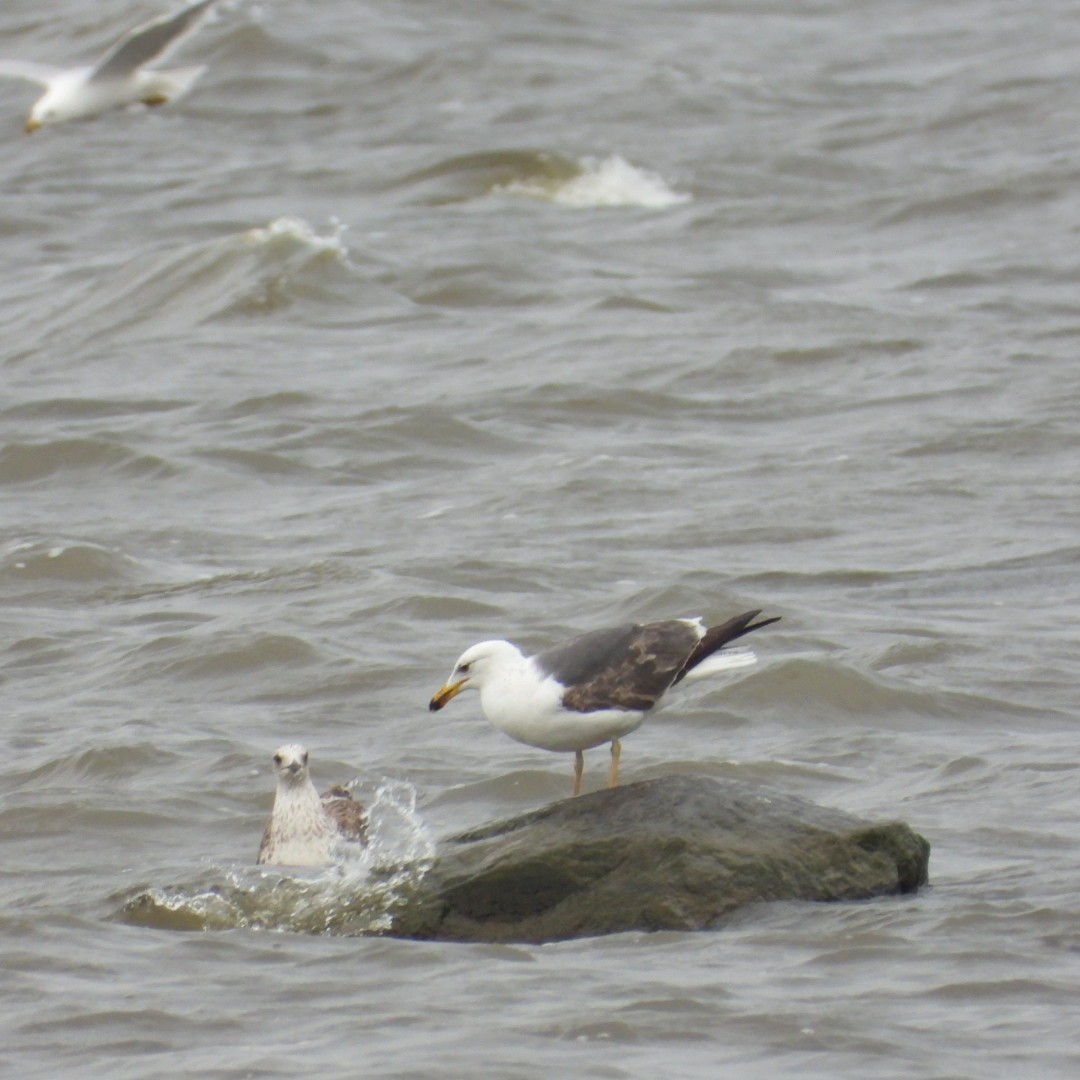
x,y
119,78
147,42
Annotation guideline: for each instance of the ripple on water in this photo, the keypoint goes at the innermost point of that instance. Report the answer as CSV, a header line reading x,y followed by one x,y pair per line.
x,y
839,690
24,463
246,274
42,561
219,654
95,765
91,408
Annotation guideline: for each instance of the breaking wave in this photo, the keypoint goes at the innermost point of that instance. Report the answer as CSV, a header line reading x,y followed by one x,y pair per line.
x,y
246,273
539,174
601,182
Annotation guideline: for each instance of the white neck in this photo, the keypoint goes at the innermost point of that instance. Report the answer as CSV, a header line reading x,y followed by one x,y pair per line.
x,y
511,693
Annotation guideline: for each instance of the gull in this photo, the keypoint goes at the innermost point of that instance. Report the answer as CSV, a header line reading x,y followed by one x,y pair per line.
x,y
118,78
595,688
303,825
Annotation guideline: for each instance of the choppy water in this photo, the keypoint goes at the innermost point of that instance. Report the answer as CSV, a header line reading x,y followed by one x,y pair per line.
x,y
416,324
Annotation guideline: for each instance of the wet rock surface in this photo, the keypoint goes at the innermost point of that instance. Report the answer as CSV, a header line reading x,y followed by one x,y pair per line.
x,y
676,853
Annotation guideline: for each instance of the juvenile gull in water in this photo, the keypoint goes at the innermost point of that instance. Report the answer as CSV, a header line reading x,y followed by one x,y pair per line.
x,y
118,78
595,688
303,825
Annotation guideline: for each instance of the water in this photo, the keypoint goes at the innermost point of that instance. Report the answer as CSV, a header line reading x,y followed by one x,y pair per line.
x,y
418,324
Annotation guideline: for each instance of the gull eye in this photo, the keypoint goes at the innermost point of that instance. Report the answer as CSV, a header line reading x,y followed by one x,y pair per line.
x,y
463,669
277,759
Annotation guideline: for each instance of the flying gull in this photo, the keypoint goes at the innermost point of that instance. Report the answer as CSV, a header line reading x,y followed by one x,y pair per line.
x,y
118,78
303,825
595,688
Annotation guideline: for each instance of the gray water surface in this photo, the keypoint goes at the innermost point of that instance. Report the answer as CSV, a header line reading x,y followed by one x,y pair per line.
x,y
416,324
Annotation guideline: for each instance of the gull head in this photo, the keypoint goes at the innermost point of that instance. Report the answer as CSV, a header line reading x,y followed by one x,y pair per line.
x,y
39,117
473,666
56,105
291,765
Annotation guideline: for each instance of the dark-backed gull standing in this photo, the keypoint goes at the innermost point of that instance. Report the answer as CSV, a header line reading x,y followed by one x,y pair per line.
x,y
303,824
119,78
595,688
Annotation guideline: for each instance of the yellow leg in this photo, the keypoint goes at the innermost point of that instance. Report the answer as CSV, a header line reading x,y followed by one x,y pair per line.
x,y
579,767
613,776
155,99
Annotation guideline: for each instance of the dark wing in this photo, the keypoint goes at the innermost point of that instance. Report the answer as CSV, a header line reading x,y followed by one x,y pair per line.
x,y
626,667
348,815
147,41
716,637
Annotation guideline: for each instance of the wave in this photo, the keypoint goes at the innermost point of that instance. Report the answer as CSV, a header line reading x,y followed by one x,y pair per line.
x,y
580,183
37,561
219,655
838,693
162,293
25,463
601,182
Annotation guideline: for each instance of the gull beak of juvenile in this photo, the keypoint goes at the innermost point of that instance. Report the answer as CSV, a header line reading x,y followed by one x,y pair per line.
x,y
31,125
445,693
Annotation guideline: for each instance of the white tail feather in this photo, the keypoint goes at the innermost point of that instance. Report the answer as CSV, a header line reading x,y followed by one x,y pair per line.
x,y
723,660
171,84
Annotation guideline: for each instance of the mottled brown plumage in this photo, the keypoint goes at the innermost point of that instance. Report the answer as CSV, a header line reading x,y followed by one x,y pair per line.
x,y
641,662
632,667
348,814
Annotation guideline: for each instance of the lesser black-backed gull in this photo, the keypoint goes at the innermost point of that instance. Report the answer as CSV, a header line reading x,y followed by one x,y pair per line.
x,y
595,688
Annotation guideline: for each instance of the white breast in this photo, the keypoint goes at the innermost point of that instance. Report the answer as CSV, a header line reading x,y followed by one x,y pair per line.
x,y
527,706
300,831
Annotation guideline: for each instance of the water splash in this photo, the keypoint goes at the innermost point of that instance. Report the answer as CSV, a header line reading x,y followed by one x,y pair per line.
x,y
355,895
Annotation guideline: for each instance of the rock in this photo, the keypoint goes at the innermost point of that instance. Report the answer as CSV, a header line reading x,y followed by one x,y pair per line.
x,y
676,853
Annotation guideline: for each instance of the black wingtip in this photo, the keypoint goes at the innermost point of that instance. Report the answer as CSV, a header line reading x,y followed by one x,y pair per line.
x,y
740,625
716,637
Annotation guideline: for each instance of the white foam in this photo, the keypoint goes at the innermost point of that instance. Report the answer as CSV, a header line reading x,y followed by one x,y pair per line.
x,y
610,181
298,231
